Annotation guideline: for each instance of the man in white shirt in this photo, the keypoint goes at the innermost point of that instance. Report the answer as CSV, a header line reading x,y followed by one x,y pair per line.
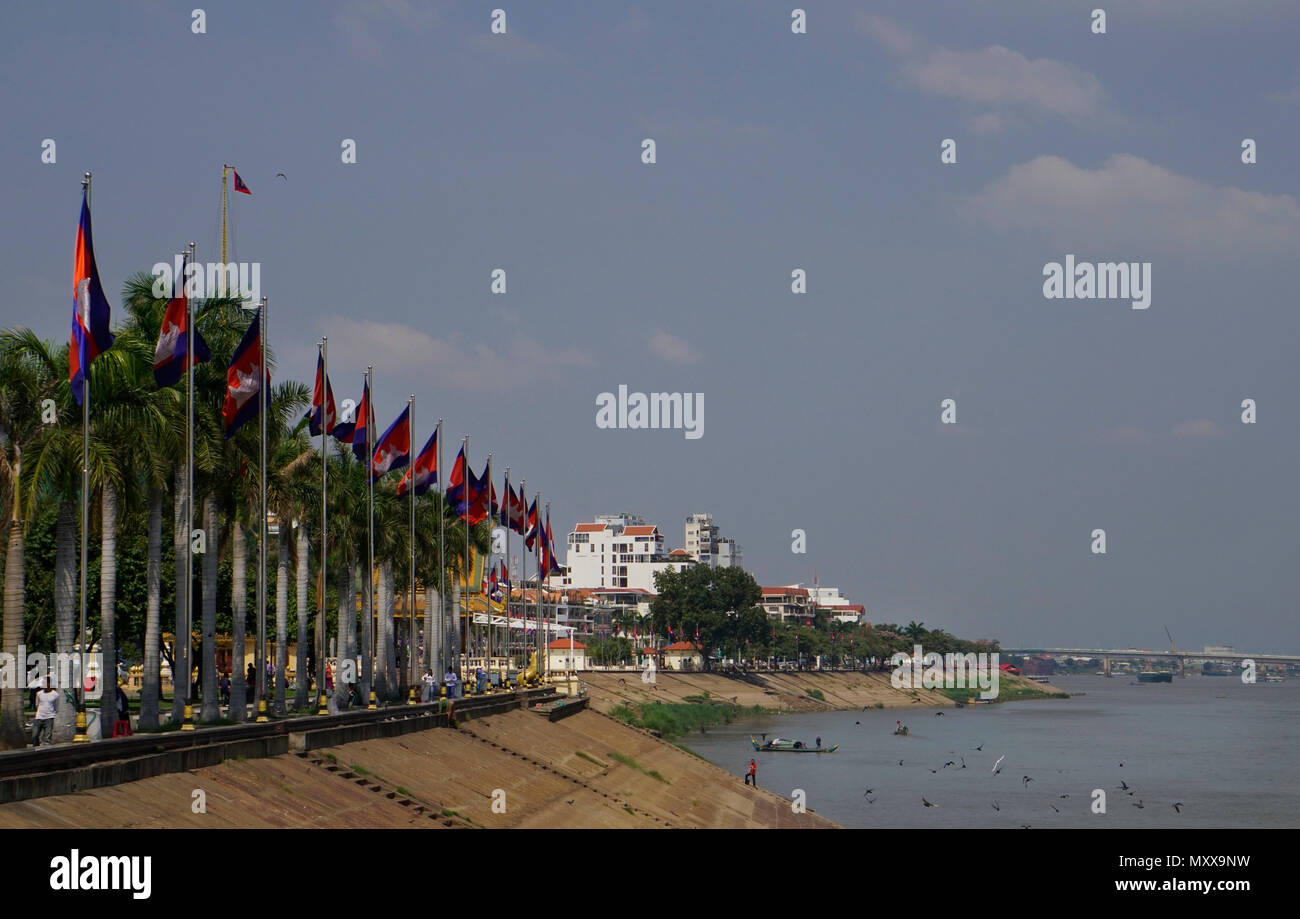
x,y
47,703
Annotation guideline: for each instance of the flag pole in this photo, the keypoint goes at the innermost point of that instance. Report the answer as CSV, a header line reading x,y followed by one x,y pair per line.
x,y
541,534
225,169
80,736
523,632
322,704
541,601
410,608
368,636
505,676
442,554
467,622
487,600
262,411
189,511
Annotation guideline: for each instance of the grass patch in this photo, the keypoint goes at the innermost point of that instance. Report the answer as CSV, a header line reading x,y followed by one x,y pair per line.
x,y
404,792
332,758
676,719
448,812
633,764
629,810
698,698
816,694
358,770
591,759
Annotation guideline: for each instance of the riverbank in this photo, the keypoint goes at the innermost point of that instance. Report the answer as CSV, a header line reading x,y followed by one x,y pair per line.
x,y
584,771
786,691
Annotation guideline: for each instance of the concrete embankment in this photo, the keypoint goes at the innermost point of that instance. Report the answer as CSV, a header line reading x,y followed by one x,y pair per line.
x,y
803,691
586,770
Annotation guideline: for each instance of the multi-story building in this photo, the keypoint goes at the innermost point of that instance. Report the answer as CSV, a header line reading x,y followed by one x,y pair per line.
x,y
617,551
788,604
705,544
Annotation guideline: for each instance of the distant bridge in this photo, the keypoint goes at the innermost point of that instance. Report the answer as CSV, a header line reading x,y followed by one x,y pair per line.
x,y
1106,655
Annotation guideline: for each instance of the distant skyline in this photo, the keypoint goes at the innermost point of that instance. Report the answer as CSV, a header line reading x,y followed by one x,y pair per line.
x,y
775,152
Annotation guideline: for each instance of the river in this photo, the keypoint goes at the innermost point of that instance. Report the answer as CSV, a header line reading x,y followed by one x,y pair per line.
x,y
1228,752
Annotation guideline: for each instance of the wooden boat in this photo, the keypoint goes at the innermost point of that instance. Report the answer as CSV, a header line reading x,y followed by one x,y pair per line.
x,y
1156,676
777,745
901,732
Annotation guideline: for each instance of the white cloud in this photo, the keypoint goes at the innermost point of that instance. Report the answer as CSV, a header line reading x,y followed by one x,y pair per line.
x,y
989,76
1135,202
451,362
673,349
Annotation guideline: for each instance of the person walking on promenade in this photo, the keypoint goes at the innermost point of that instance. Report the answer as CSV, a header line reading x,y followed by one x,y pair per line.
x,y
47,704
450,679
429,680
751,777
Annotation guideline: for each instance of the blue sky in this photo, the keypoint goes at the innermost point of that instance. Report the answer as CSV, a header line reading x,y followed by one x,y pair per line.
x,y
775,151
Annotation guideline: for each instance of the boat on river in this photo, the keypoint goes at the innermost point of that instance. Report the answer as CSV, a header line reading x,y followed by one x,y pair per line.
x,y
1156,676
777,745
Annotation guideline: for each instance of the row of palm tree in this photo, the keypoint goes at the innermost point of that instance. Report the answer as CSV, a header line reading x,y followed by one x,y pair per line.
x,y
137,455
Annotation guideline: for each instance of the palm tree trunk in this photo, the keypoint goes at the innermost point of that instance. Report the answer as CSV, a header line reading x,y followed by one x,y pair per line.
x,y
284,546
386,596
108,602
65,613
383,688
341,640
302,571
367,652
430,644
13,735
239,616
180,643
210,710
149,688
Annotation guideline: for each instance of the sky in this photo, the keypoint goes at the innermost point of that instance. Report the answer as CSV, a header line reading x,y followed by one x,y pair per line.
x,y
774,151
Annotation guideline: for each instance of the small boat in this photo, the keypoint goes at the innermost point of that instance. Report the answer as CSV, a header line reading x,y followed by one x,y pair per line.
x,y
901,732
1156,676
777,745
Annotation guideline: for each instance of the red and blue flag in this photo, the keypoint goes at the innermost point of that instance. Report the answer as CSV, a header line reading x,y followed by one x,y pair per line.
x,y
90,312
425,468
170,357
239,183
393,450
248,383
364,425
322,402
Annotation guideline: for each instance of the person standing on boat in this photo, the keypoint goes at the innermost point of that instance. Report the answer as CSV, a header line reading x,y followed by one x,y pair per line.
x,y
751,777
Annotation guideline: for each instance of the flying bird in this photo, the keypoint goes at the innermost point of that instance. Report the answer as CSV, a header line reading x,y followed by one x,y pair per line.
x,y
1063,796
1025,780
997,767
980,748
933,771
1055,808
281,175
1123,785
871,800
1178,806
1121,764
867,792
963,761
900,762
949,763
927,803
1138,804
995,805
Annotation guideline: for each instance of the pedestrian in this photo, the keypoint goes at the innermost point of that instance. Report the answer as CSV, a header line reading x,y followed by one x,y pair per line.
x,y
123,706
428,680
225,687
450,679
751,777
819,743
250,680
47,703
329,679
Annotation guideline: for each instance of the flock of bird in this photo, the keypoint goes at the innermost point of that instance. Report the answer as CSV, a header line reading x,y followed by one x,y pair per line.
x,y
1025,782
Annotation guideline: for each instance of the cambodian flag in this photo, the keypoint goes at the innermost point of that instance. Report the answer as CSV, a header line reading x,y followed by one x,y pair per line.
x,y
364,425
553,567
322,401
456,483
425,468
531,537
169,357
508,505
90,313
393,451
239,183
518,512
474,508
245,378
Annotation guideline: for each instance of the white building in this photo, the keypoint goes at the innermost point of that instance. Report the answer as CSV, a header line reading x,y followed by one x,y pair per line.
x,y
705,544
617,551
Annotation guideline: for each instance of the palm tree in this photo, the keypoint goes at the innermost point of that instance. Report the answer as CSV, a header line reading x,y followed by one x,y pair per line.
x,y
28,376
915,630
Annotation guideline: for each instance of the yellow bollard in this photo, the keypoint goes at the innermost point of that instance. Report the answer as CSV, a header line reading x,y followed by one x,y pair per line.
x,y
322,706
187,723
411,699
80,736
374,703
261,712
